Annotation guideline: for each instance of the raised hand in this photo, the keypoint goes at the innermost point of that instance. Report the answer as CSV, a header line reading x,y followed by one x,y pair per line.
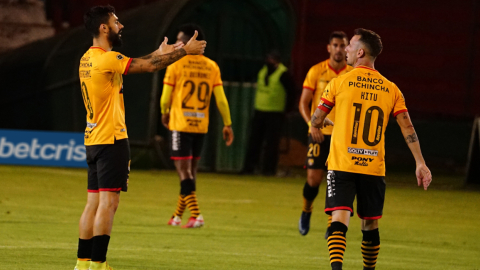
x,y
166,48
424,176
195,46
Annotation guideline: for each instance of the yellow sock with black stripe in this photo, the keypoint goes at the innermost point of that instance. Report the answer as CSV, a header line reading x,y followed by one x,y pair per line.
x,y
192,204
180,206
370,248
329,221
337,243
309,195
190,198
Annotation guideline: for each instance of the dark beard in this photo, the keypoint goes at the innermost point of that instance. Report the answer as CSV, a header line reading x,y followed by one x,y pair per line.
x,y
115,39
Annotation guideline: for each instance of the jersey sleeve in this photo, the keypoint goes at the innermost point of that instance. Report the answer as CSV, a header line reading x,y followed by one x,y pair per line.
x,y
327,102
114,62
217,79
399,106
310,82
170,77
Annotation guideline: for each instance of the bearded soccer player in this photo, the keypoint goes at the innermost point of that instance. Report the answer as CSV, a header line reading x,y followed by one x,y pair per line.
x,y
364,100
185,102
319,140
106,139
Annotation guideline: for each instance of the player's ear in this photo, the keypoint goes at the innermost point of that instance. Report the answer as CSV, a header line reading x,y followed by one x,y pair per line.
x,y
328,48
361,53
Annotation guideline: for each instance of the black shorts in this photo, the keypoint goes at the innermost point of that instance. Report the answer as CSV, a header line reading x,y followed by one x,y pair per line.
x,y
342,188
318,153
108,166
185,145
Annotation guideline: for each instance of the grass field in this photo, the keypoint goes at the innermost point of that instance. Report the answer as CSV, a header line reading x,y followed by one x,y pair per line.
x,y
251,223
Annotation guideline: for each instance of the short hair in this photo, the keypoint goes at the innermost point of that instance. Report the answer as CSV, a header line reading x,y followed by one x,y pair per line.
x,y
95,17
371,39
189,30
337,34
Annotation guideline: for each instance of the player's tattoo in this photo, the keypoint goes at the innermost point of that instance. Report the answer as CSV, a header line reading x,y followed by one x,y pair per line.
x,y
147,56
162,61
317,121
411,138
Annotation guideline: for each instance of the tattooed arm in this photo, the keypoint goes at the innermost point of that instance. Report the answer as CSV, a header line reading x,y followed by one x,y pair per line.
x,y
166,55
155,62
424,176
320,120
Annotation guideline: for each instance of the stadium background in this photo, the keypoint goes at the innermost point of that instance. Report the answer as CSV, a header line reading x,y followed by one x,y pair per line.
x,y
431,53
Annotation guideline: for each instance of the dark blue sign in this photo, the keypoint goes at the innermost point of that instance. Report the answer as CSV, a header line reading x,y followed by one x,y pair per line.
x,y
42,148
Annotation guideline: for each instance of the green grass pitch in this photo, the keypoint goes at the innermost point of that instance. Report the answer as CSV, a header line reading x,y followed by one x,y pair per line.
x,y
251,223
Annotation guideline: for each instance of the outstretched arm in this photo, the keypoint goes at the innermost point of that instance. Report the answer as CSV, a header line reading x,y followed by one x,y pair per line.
x,y
424,176
159,59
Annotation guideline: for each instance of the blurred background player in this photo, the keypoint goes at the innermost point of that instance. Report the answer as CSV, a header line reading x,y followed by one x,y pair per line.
x,y
106,139
356,165
273,98
185,103
319,140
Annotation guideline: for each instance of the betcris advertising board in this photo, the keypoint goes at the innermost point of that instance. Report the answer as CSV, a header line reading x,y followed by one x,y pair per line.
x,y
42,148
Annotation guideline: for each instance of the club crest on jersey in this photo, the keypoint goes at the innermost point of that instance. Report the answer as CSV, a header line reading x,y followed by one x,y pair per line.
x,y
119,56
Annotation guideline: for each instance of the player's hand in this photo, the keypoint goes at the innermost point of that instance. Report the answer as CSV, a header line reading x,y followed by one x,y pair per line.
x,y
424,176
195,46
168,48
165,119
317,135
327,122
228,135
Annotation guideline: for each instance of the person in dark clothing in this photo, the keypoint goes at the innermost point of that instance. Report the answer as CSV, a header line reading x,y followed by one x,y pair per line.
x,y
274,97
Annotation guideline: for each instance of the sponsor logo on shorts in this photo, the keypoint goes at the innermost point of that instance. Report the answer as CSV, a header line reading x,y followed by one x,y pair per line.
x,y
362,161
194,114
175,140
330,184
360,151
91,125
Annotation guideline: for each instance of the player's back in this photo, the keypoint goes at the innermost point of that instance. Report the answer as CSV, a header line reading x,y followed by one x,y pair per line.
x,y
363,99
193,78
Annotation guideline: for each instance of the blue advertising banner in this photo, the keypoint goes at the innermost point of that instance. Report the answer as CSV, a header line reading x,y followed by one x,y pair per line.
x,y
42,148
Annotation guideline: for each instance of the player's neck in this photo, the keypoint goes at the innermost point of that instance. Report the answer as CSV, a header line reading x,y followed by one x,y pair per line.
x,y
337,65
102,43
364,62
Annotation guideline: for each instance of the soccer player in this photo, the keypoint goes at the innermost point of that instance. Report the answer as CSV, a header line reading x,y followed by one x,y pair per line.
x,y
106,139
364,100
319,140
185,103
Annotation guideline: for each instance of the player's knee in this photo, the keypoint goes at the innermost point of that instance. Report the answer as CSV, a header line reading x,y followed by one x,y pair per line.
x,y
187,186
315,178
369,224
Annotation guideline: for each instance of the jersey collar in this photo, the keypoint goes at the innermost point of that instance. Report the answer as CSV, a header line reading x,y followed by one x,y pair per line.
x,y
95,47
334,70
367,68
